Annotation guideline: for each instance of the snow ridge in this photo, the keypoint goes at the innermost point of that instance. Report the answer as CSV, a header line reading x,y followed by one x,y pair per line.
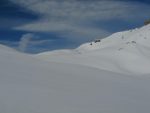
x,y
110,76
123,52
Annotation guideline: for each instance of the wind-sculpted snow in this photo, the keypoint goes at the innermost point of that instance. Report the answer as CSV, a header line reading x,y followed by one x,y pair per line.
x,y
84,80
30,85
123,52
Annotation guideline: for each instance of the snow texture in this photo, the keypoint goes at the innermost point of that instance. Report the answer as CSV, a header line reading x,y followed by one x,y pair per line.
x,y
124,52
111,76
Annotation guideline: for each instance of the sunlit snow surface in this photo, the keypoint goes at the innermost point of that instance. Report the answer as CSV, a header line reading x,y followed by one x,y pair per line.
x,y
111,76
123,52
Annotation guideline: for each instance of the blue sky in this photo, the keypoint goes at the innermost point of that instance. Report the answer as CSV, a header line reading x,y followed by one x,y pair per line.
x,y
40,25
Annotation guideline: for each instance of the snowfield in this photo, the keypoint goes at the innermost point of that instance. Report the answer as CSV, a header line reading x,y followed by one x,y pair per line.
x,y
111,76
124,52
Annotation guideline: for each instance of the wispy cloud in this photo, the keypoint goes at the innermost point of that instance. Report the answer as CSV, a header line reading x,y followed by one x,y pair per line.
x,y
24,41
31,40
76,19
66,15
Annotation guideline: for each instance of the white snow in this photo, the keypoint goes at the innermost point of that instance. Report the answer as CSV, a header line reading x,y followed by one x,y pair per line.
x,y
98,78
123,52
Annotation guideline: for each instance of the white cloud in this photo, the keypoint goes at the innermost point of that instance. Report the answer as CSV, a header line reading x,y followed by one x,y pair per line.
x,y
57,10
24,41
29,41
69,17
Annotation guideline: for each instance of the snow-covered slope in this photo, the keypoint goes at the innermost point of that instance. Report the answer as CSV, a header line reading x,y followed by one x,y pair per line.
x,y
30,85
124,52
84,80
